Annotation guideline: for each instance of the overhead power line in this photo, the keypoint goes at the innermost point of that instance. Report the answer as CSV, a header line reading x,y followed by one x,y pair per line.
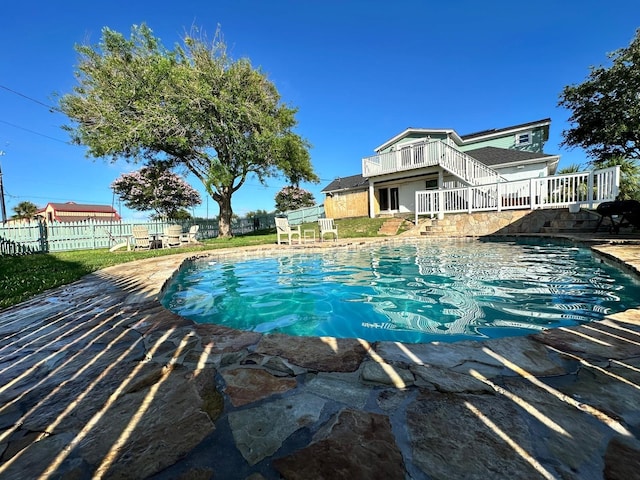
x,y
33,131
48,107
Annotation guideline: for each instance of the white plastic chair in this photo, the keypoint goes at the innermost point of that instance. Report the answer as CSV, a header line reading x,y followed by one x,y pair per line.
x,y
141,238
283,228
326,225
190,237
171,237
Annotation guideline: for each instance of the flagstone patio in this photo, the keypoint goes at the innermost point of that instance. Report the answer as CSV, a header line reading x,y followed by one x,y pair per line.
x,y
97,379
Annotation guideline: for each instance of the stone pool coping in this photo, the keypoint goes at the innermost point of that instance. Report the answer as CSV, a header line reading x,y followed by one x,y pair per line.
x,y
98,379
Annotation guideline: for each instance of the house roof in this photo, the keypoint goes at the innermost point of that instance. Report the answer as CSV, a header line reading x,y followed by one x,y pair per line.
x,y
494,157
89,211
498,131
79,207
468,138
352,182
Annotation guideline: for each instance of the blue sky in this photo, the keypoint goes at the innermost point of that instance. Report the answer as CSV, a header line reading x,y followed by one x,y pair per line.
x,y
358,71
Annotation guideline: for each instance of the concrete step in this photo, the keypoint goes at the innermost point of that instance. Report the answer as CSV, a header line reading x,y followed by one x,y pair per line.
x,y
390,227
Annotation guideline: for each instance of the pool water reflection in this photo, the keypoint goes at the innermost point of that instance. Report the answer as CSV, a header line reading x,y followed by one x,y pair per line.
x,y
416,292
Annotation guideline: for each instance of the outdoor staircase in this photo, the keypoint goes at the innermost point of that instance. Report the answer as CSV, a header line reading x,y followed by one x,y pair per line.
x,y
469,170
439,227
429,153
390,226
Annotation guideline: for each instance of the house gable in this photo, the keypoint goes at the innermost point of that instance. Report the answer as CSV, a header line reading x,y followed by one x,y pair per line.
x,y
411,135
529,136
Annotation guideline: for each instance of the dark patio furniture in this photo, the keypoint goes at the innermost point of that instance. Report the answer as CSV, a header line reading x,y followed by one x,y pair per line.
x,y
621,213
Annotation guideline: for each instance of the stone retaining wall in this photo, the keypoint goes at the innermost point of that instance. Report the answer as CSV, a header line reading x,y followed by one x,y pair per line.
x,y
478,224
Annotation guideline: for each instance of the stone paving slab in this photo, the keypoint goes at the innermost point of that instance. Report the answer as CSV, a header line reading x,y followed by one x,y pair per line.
x,y
97,380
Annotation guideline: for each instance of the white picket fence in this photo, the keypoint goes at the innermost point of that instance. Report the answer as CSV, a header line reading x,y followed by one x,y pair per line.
x,y
17,238
37,236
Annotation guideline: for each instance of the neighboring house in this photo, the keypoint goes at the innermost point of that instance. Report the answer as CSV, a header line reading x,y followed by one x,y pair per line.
x,y
426,159
76,212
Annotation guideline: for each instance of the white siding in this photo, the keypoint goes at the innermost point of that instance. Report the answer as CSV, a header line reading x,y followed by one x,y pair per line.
x,y
524,172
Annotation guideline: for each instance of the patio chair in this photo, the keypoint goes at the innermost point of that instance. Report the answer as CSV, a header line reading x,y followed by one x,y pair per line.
x,y
141,238
171,237
326,225
190,237
621,213
118,241
283,228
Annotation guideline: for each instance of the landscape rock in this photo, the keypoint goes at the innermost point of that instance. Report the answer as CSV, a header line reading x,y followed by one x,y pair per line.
x,y
248,385
150,427
386,374
321,354
353,445
596,342
260,431
338,388
444,380
468,436
622,459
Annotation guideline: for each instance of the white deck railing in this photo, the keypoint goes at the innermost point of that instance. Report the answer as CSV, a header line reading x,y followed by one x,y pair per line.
x,y
427,154
586,189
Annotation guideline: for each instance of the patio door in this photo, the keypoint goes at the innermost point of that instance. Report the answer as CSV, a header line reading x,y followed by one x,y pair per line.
x,y
389,199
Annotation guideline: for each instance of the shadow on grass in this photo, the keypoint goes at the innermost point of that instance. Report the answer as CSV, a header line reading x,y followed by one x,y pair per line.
x,y
23,277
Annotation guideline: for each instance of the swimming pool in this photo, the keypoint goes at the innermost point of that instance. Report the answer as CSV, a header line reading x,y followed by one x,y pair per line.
x,y
415,292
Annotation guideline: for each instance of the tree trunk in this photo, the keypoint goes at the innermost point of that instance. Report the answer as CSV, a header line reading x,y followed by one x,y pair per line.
x,y
224,222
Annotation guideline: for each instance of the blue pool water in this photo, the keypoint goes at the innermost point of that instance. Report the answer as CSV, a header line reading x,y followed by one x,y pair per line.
x,y
420,292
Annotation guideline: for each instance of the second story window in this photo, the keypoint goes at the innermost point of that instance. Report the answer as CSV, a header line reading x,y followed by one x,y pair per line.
x,y
523,139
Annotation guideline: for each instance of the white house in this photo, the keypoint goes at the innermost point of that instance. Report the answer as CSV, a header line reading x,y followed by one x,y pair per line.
x,y
491,169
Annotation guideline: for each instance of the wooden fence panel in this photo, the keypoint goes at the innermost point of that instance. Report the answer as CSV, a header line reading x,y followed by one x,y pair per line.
x,y
305,215
92,234
12,249
27,234
347,205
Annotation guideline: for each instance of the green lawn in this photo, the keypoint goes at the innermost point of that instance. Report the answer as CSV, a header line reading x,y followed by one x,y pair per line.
x,y
23,277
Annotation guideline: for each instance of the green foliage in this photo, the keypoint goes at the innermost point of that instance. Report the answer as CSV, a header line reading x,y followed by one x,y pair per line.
x,y
293,198
192,106
629,177
257,213
181,214
25,210
605,108
573,168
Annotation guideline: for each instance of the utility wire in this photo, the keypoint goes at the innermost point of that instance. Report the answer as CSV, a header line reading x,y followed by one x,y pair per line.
x,y
34,132
48,107
56,109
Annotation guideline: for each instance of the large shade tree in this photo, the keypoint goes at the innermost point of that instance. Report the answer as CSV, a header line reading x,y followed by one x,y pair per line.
x,y
605,115
191,105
